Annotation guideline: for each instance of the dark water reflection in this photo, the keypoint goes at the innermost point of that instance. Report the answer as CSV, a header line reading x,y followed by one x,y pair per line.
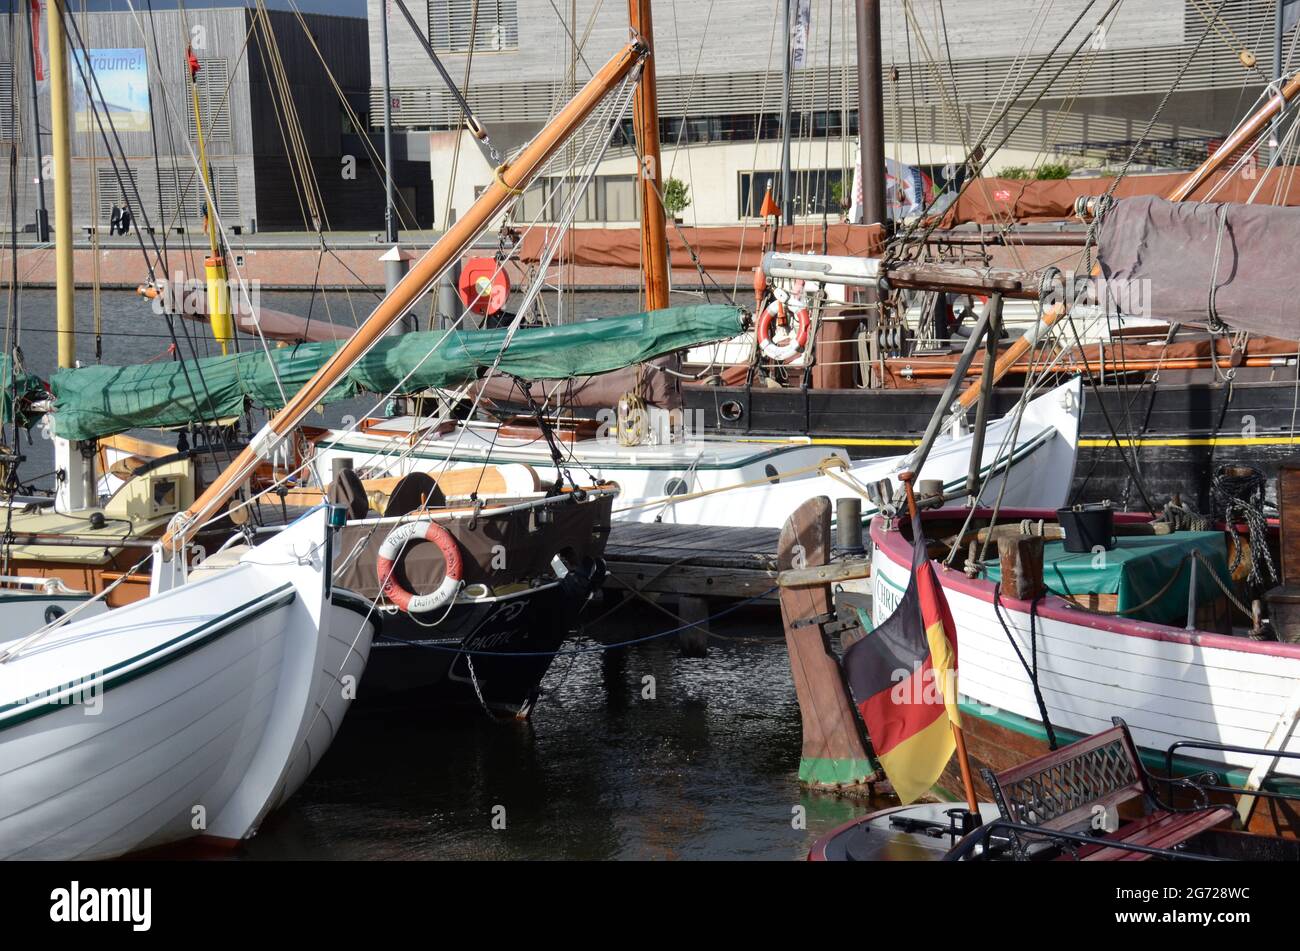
x,y
706,769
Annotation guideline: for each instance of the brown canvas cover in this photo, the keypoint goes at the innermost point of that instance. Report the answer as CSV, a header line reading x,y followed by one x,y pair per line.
x,y
1000,200
1192,261
649,380
717,248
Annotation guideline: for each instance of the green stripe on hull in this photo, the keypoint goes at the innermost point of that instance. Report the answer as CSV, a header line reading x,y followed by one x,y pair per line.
x,y
824,771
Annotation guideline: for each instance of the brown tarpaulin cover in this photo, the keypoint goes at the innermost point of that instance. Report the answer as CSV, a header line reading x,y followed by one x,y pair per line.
x,y
718,248
1174,253
997,200
656,387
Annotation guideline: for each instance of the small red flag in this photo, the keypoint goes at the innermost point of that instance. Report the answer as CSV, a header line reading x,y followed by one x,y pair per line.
x,y
192,60
38,63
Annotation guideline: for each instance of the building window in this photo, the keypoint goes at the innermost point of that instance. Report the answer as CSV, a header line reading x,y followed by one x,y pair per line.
x,y
675,130
182,199
451,23
816,191
9,108
607,198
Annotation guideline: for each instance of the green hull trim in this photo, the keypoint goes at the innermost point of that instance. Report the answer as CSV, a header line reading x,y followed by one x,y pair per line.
x,y
824,771
1153,760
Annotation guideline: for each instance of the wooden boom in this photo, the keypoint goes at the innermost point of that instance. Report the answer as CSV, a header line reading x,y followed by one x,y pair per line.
x,y
509,181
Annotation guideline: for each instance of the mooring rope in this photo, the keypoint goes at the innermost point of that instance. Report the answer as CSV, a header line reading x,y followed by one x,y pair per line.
x,y
1239,490
599,648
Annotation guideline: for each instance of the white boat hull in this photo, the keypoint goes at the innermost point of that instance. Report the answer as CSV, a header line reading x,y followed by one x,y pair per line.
x,y
1035,473
720,482
1165,682
192,712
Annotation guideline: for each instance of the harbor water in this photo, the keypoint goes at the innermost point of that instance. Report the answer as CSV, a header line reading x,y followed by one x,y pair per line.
x,y
633,753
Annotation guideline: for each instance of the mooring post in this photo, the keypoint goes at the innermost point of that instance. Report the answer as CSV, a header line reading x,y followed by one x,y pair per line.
x,y
694,640
848,526
834,752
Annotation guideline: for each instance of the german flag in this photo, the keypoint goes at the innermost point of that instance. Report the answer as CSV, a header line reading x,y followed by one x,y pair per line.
x,y
903,677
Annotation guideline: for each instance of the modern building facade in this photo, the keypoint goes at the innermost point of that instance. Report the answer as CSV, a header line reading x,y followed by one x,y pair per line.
x,y
1081,95
282,101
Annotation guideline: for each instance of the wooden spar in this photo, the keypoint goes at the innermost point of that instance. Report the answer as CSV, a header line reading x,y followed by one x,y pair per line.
x,y
509,180
1246,133
1011,356
62,150
963,758
645,126
834,754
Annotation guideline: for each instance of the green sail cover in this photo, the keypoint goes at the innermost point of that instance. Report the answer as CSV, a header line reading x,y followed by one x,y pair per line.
x,y
97,401
28,389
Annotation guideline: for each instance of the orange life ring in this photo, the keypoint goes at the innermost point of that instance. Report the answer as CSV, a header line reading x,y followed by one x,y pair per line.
x,y
796,344
391,550
484,286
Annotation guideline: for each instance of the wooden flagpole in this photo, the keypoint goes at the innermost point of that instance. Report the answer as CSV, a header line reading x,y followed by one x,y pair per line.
x,y
963,759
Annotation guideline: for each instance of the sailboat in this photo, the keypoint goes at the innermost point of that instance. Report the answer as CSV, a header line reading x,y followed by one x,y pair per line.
x,y
193,712
263,653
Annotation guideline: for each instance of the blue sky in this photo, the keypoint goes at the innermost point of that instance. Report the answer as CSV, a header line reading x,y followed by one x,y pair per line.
x,y
356,8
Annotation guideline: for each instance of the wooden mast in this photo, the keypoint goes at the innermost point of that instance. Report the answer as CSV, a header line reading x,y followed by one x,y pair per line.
x,y
645,126
509,181
871,113
62,150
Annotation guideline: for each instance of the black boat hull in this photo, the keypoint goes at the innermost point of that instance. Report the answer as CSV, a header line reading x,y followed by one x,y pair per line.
x,y
1172,434
492,654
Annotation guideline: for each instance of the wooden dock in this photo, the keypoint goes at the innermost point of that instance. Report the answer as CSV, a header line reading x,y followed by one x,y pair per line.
x,y
695,561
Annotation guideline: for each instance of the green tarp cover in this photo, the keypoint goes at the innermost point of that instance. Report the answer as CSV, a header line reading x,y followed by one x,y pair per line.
x,y
28,389
96,401
1136,570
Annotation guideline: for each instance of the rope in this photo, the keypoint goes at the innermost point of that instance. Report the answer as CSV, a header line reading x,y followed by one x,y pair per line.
x,y
1222,587
1243,494
585,650
1033,643
497,176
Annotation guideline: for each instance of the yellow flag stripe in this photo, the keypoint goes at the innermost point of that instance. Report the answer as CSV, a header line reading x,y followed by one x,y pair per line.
x,y
944,663
915,765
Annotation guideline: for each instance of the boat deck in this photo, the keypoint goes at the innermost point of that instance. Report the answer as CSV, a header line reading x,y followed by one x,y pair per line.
x,y
693,560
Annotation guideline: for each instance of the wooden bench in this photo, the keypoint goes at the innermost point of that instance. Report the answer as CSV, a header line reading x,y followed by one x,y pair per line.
x,y
1070,789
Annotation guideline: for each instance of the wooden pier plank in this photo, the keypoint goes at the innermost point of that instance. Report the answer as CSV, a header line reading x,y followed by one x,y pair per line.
x,y
693,560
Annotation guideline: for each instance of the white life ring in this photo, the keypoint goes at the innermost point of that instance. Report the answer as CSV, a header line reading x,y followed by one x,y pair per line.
x,y
391,550
796,342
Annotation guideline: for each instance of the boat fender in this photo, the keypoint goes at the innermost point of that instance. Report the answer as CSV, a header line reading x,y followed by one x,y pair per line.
x,y
391,550
796,344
